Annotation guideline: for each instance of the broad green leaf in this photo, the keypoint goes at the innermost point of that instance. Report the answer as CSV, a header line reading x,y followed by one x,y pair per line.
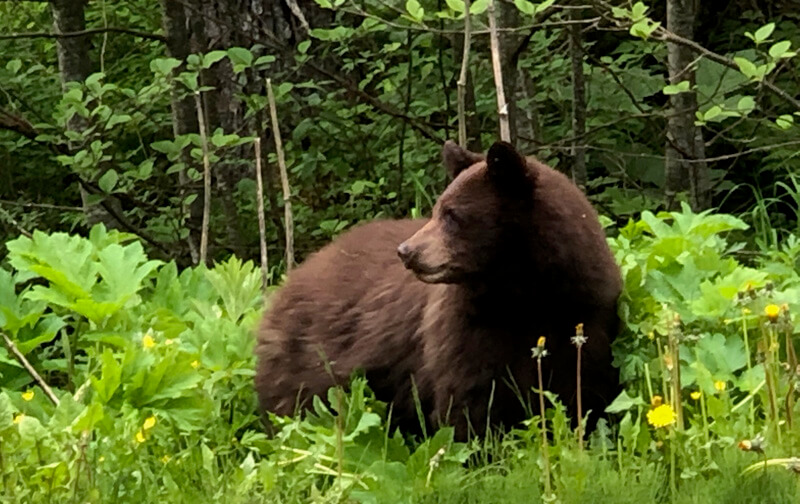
x,y
784,121
478,7
624,402
746,104
108,181
781,49
680,87
525,7
746,66
241,58
415,10
763,33
89,418
212,57
456,5
164,65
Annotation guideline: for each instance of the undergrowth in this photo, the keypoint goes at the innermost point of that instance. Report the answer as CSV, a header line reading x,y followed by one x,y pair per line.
x,y
150,374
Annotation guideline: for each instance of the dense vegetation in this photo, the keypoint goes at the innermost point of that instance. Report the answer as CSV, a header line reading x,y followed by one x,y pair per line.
x,y
127,363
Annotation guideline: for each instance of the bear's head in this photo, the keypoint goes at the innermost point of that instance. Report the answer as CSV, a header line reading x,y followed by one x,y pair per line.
x,y
480,221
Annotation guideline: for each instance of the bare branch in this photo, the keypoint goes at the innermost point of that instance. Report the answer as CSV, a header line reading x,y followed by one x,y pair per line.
x,y
462,80
262,226
502,106
81,33
206,179
30,369
287,194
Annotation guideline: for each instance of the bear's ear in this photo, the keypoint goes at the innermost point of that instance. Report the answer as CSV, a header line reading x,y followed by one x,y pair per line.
x,y
456,158
507,168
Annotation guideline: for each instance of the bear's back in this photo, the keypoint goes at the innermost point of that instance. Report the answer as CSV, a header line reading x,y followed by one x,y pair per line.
x,y
350,305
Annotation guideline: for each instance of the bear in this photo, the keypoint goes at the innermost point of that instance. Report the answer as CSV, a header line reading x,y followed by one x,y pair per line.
x,y
453,304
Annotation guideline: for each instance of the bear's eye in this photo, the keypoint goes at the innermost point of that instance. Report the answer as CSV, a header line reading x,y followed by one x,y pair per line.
x,y
450,218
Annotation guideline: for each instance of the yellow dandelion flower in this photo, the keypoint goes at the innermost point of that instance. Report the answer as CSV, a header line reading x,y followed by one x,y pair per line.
x,y
148,341
165,459
140,437
541,341
695,395
149,423
195,364
720,385
661,416
28,395
772,312
18,418
656,401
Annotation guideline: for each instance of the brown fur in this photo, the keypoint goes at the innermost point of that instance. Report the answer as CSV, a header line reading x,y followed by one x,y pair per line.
x,y
513,251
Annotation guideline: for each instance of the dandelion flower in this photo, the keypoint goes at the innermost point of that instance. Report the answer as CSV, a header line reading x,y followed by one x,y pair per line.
x,y
28,395
195,364
147,341
149,423
541,341
539,351
656,401
140,437
18,418
772,311
579,339
720,385
661,416
695,395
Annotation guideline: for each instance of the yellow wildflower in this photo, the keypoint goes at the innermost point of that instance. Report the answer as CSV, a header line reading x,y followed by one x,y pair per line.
x,y
101,458
148,341
195,364
661,416
140,437
149,423
28,395
772,312
541,341
656,401
720,385
695,395
165,459
18,418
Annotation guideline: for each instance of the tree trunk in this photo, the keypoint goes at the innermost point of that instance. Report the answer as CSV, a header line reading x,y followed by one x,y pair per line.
x,y
578,102
75,66
178,32
685,152
509,17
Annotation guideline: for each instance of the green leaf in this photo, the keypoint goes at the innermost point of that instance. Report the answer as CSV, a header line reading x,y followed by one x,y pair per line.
x,y
325,4
212,57
263,60
303,46
746,104
525,7
241,58
14,65
164,65
88,418
747,67
456,5
673,89
781,50
624,402
110,377
784,121
117,119
478,7
415,10
108,180
763,33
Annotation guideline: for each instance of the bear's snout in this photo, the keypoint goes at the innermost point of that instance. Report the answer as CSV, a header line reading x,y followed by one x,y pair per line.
x,y
406,254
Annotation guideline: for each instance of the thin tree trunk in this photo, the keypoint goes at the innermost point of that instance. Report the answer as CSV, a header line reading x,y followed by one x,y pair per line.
x,y
287,192
462,79
74,65
684,168
184,119
578,103
471,118
509,16
502,105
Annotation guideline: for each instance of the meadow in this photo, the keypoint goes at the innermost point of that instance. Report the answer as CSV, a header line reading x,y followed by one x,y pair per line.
x,y
139,387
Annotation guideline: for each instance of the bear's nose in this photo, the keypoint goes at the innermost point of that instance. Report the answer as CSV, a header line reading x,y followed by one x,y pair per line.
x,y
405,253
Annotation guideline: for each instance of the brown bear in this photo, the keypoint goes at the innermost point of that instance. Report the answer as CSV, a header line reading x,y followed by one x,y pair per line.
x,y
513,251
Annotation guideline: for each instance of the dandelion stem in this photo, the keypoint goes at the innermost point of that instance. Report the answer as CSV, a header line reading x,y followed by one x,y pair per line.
x,y
749,370
545,450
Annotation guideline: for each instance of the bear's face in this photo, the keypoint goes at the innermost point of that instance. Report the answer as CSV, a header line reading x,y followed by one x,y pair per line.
x,y
488,199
